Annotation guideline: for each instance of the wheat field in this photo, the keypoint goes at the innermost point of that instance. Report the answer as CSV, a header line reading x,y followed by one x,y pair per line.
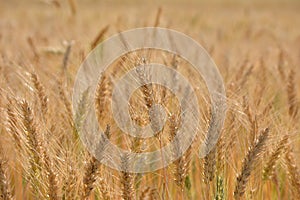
x,y
256,46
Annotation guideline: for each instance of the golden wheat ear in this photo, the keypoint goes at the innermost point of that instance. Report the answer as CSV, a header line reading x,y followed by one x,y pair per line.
x,y
249,164
52,183
180,171
40,162
100,36
158,16
210,166
149,194
293,104
12,124
5,188
293,172
33,147
92,167
65,99
90,176
271,164
73,6
127,179
40,93
69,187
33,142
103,96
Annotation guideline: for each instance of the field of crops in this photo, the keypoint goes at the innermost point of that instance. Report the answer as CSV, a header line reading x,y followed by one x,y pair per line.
x,y
254,44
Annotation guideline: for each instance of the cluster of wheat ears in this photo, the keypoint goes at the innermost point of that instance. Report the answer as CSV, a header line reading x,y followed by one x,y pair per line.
x,y
42,156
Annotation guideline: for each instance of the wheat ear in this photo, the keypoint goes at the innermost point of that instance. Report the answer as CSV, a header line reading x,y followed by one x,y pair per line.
x,y
149,194
103,95
40,91
127,179
249,163
67,54
100,36
269,167
33,146
281,65
210,166
12,125
5,190
157,18
220,191
90,177
52,184
70,182
292,95
183,162
73,6
64,97
33,49
293,172
33,143
92,167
